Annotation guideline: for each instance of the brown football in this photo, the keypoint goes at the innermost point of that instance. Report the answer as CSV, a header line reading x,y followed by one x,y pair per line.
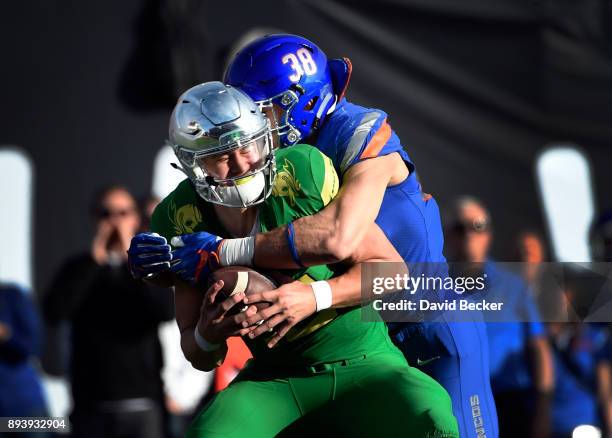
x,y
237,279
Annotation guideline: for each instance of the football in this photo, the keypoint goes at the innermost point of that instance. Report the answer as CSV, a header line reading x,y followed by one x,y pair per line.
x,y
237,279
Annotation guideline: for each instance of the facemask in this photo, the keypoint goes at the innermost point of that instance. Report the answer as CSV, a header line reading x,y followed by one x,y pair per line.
x,y
246,190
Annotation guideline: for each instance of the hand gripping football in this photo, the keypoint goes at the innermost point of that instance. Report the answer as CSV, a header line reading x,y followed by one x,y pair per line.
x,y
241,279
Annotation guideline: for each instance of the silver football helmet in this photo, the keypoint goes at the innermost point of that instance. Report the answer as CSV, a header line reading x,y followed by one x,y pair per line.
x,y
212,120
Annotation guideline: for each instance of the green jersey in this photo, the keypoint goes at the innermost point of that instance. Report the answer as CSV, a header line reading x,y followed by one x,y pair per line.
x,y
305,183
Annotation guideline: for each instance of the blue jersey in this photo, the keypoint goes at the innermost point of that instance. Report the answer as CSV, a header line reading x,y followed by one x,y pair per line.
x,y
451,351
353,133
21,392
508,340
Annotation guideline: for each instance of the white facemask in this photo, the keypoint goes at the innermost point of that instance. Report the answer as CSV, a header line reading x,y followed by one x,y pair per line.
x,y
246,190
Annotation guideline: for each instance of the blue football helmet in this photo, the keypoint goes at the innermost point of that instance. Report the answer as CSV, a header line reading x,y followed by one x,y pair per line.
x,y
293,73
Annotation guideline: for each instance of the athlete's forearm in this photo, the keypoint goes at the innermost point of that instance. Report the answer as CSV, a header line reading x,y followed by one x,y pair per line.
x,y
312,241
200,359
293,302
187,303
346,288
375,248
337,231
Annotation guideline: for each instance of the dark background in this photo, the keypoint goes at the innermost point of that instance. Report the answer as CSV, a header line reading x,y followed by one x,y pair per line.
x,y
475,89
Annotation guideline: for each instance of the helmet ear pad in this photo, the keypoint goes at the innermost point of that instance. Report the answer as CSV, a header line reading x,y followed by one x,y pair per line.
x,y
311,109
340,70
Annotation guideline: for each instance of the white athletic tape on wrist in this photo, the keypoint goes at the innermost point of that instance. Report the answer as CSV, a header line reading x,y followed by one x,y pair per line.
x,y
177,242
203,343
237,252
323,294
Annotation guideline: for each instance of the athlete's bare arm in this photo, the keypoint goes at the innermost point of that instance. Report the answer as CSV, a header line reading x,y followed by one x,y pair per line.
x,y
195,309
334,233
374,248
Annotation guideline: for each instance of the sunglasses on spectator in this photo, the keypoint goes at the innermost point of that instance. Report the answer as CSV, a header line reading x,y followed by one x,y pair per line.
x,y
476,226
105,213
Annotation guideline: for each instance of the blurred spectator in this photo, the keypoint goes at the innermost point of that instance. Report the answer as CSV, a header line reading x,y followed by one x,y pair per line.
x,y
21,392
116,356
531,252
520,357
544,279
582,378
582,353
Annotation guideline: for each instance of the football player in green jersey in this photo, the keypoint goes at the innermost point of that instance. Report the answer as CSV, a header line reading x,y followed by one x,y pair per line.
x,y
332,374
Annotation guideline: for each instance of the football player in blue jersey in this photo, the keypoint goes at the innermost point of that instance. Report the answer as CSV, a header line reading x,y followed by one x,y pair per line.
x,y
302,92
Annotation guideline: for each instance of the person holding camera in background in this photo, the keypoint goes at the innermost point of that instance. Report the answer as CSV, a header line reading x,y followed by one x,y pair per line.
x,y
115,354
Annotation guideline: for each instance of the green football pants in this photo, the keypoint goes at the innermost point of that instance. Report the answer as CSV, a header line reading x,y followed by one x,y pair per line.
x,y
369,396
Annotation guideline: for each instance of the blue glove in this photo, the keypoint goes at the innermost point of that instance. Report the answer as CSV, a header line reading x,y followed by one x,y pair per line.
x,y
196,256
149,254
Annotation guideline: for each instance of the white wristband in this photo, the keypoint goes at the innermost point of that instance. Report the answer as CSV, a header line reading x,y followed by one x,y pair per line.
x,y
237,252
203,343
323,294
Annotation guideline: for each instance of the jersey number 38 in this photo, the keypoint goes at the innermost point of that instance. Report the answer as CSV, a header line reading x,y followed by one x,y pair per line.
x,y
301,63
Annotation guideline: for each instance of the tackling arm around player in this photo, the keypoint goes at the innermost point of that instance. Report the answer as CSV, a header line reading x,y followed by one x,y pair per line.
x,y
336,232
210,320
291,304
344,229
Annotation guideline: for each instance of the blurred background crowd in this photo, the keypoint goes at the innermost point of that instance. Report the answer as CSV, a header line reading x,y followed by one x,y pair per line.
x,y
503,106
